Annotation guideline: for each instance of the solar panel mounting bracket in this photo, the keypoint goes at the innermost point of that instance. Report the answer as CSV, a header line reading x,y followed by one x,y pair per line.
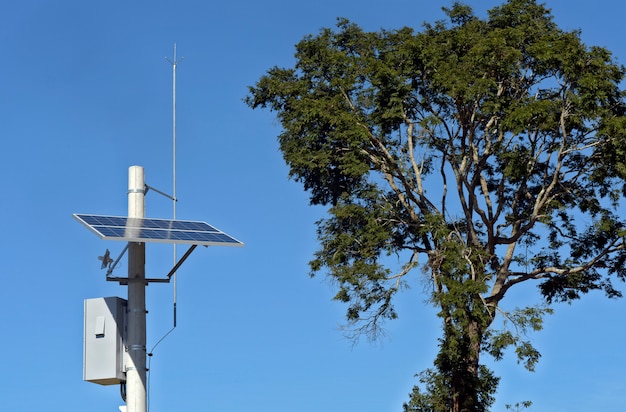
x,y
112,267
124,281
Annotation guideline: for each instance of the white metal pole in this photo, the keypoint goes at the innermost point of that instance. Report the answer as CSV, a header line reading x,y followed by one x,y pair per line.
x,y
136,399
174,64
174,168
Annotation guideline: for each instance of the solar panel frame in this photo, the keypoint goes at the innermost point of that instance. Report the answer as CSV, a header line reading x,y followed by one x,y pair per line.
x,y
127,229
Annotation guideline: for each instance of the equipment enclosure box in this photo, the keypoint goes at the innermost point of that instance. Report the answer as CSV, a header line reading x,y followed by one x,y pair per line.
x,y
105,334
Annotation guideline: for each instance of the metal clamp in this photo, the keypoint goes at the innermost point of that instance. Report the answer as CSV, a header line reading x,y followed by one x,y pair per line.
x,y
136,348
136,191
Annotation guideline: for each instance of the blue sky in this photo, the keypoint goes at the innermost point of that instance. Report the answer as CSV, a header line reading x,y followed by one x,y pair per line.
x,y
86,93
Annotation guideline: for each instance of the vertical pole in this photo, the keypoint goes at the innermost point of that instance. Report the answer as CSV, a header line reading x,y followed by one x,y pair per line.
x,y
174,63
174,166
136,399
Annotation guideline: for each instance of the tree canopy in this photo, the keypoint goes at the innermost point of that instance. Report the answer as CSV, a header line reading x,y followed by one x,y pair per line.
x,y
486,152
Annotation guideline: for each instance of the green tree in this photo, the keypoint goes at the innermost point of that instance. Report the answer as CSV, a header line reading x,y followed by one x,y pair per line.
x,y
487,152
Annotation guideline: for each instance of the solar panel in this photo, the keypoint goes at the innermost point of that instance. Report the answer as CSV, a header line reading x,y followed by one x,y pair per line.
x,y
156,230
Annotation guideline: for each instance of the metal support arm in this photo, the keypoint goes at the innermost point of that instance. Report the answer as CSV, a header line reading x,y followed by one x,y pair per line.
x,y
180,262
124,281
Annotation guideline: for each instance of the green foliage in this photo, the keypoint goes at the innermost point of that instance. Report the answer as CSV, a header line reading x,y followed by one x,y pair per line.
x,y
491,149
522,322
519,406
439,396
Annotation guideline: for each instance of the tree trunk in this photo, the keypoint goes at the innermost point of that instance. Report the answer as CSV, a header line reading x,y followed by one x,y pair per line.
x,y
459,363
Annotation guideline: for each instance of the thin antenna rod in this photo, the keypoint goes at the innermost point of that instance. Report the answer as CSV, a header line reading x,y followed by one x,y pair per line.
x,y
174,63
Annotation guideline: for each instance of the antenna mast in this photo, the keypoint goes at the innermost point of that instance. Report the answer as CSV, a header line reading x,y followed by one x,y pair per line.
x,y
174,63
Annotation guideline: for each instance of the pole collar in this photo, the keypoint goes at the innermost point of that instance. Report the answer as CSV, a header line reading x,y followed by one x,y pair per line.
x,y
136,191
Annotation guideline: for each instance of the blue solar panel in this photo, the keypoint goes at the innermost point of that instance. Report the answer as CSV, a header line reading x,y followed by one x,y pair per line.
x,y
156,230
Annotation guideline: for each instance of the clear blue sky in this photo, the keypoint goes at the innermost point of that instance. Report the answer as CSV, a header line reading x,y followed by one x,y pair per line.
x,y
85,92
